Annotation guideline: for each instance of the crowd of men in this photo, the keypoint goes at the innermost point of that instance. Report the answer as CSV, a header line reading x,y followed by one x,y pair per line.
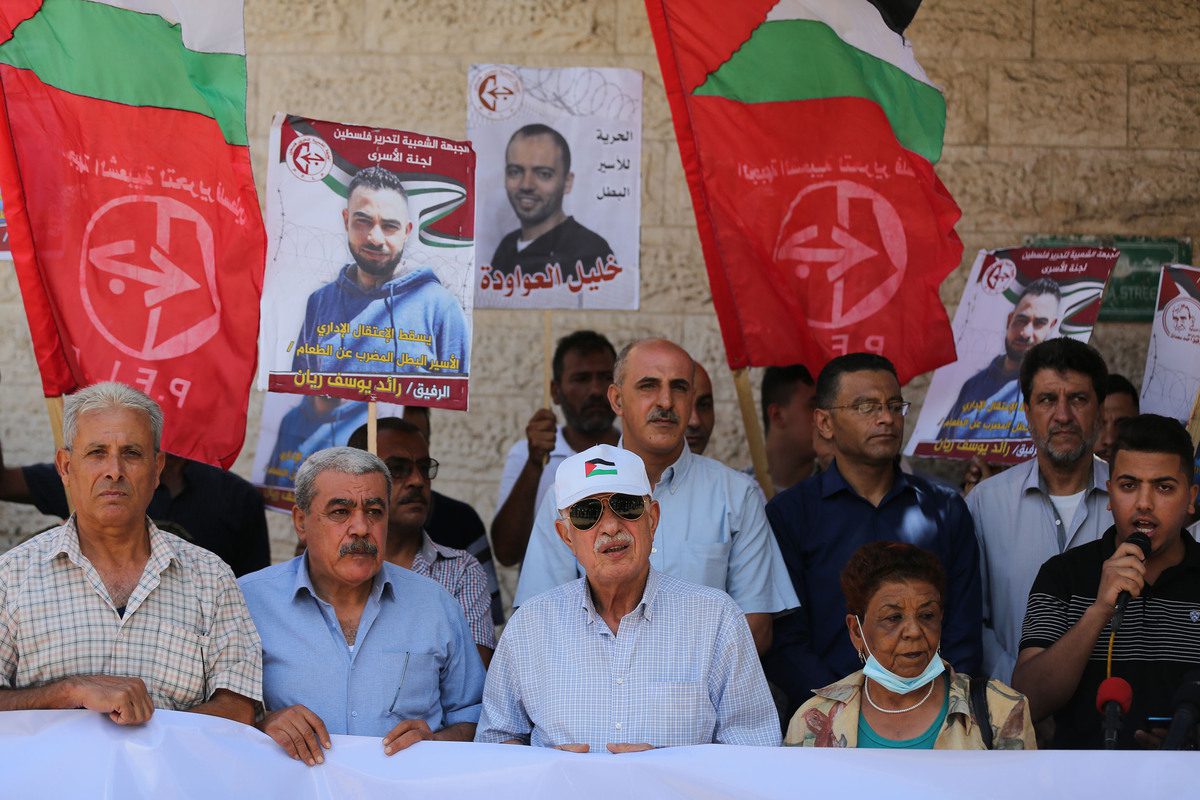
x,y
663,599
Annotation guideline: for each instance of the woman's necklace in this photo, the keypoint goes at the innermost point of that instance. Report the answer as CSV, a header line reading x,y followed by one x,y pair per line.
x,y
867,692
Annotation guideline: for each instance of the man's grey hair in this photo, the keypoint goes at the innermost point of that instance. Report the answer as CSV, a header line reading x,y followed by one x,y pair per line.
x,y
110,394
622,362
347,460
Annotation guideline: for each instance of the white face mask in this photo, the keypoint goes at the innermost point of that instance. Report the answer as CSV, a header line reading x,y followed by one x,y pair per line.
x,y
890,680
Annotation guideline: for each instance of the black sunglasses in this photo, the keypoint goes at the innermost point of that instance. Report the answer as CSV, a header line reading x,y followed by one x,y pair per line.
x,y
586,513
401,468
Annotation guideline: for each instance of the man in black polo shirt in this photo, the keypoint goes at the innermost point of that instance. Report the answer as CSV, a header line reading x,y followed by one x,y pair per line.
x,y
1065,638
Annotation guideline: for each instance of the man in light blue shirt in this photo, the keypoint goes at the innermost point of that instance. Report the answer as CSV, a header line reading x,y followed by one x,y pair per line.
x,y
714,529
352,644
626,658
1045,506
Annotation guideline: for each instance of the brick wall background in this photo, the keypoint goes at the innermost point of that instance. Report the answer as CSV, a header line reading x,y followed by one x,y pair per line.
x,y
1065,117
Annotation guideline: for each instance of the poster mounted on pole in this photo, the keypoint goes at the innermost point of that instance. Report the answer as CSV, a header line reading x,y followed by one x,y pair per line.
x,y
1171,380
370,257
1014,299
558,185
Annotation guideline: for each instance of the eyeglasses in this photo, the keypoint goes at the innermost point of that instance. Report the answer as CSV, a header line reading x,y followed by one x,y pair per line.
x,y
586,513
401,468
871,408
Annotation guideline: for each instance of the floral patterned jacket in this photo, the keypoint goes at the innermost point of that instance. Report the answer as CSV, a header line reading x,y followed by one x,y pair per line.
x,y
830,719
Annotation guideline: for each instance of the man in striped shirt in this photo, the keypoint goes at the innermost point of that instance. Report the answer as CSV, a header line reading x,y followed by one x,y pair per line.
x,y
404,449
1066,636
107,612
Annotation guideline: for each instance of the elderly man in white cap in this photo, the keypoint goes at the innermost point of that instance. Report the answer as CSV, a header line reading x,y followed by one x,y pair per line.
x,y
625,658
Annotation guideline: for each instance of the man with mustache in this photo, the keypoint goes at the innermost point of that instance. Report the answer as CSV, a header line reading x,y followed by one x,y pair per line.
x,y
368,293
626,658
987,406
1066,636
713,530
353,644
537,174
862,497
107,612
405,451
1048,504
582,370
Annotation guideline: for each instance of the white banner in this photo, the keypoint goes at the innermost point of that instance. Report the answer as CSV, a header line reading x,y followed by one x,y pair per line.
x,y
66,755
558,185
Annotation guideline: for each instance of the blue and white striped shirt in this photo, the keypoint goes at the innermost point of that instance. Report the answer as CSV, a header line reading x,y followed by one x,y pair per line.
x,y
682,670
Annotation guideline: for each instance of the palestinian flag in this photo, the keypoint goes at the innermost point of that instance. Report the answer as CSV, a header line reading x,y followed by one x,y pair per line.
x,y
598,466
133,219
808,133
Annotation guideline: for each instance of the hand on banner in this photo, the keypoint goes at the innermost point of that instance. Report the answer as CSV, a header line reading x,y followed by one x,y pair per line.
x,y
541,433
406,734
572,748
1151,739
298,731
125,700
629,747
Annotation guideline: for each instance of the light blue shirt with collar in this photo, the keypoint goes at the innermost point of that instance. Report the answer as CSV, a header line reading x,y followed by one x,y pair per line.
x,y
1019,530
712,530
681,670
413,656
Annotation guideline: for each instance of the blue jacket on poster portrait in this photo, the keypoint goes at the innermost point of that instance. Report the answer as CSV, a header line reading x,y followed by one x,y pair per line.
x,y
414,302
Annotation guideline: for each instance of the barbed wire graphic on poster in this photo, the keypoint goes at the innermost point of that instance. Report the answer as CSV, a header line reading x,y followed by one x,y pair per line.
x,y
558,186
368,293
1171,380
1013,299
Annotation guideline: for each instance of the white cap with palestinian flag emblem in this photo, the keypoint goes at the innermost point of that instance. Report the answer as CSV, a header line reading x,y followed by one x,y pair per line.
x,y
602,469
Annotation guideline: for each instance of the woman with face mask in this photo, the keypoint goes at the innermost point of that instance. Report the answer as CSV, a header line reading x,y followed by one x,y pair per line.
x,y
905,696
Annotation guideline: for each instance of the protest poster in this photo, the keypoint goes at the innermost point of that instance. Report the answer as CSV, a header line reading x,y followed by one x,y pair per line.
x,y
1133,285
558,186
295,426
1171,380
1014,299
370,257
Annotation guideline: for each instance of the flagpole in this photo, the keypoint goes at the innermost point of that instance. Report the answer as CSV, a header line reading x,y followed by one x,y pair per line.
x,y
754,435
54,407
372,428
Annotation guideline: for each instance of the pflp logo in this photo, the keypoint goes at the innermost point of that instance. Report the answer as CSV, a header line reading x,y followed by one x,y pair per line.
x,y
497,93
598,466
998,276
309,158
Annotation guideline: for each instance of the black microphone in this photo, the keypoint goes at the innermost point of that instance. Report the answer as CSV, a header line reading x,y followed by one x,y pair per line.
x,y
1142,541
1186,703
1113,699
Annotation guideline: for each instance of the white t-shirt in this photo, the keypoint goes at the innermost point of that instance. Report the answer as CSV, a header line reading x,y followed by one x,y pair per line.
x,y
1065,505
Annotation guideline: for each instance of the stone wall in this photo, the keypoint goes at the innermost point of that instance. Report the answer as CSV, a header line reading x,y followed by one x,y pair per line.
x,y
1065,117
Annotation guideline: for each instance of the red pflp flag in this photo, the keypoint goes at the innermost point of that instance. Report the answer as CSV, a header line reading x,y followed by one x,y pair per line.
x,y
808,131
133,219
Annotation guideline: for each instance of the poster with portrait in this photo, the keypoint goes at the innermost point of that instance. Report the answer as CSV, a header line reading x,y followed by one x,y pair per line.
x,y
293,427
559,185
1171,380
1014,299
370,257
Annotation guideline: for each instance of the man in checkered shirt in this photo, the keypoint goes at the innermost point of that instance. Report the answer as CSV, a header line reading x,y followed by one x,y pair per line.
x,y
109,613
626,658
